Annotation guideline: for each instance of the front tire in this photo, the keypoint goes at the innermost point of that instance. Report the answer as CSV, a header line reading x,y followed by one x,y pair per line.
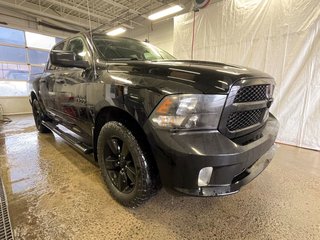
x,y
39,117
124,165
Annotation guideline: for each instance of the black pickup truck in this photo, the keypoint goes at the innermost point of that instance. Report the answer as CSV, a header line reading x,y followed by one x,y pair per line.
x,y
201,128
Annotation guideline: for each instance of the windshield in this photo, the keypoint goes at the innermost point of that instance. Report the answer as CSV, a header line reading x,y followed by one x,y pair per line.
x,y
128,49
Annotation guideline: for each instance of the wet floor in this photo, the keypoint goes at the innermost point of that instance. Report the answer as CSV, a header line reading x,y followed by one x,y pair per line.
x,y
54,192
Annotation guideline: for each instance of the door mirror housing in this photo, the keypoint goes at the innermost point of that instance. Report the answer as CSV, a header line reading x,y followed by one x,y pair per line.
x,y
67,59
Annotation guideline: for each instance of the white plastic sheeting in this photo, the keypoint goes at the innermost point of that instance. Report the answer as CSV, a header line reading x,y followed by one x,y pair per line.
x,y
281,38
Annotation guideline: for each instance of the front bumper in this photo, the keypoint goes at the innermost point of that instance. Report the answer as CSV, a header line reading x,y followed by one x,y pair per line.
x,y
180,156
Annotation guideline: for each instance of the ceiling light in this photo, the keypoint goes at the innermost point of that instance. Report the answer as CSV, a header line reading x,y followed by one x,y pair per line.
x,y
165,12
116,31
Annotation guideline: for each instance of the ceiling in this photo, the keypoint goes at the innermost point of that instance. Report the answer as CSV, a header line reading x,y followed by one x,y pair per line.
x,y
86,14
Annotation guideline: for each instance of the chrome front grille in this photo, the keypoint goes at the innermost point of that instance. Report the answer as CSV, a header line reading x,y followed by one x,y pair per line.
x,y
251,93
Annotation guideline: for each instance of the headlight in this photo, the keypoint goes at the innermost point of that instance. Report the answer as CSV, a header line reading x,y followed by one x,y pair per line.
x,y
189,111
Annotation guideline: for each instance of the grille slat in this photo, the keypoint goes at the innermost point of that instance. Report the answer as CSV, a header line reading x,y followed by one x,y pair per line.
x,y
240,120
251,93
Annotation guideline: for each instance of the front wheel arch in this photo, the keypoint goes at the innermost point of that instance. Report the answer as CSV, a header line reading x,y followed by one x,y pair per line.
x,y
108,114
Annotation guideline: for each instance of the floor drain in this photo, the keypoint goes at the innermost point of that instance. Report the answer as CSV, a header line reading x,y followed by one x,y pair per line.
x,y
5,224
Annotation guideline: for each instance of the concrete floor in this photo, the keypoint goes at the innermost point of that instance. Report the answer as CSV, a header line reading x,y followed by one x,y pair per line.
x,y
56,193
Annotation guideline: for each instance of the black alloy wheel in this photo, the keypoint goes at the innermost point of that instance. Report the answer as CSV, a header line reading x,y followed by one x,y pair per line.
x,y
125,165
119,164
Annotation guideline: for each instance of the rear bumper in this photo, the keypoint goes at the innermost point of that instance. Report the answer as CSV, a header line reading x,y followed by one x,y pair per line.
x,y
181,156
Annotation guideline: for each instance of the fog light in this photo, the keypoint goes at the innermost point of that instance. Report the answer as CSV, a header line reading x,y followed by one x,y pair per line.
x,y
204,176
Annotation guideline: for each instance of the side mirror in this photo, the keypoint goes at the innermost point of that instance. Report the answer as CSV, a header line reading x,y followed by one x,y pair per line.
x,y
67,59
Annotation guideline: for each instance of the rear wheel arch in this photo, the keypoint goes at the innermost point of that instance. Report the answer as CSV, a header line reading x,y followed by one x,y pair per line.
x,y
39,116
33,96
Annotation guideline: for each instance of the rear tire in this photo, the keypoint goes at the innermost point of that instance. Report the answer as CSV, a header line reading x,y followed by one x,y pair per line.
x,y
124,165
39,117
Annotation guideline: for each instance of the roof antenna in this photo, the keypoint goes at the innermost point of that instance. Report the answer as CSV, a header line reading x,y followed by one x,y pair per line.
x,y
91,36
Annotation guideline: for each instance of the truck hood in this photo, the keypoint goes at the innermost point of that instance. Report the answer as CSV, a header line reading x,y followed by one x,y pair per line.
x,y
183,76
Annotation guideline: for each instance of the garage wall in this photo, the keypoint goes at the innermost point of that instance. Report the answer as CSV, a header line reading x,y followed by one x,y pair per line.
x,y
19,104
281,38
159,34
15,105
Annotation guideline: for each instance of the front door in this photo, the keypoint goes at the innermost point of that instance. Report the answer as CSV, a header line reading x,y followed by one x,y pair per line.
x,y
70,90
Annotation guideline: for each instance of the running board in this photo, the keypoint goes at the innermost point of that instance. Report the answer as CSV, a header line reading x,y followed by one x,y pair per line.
x,y
70,139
